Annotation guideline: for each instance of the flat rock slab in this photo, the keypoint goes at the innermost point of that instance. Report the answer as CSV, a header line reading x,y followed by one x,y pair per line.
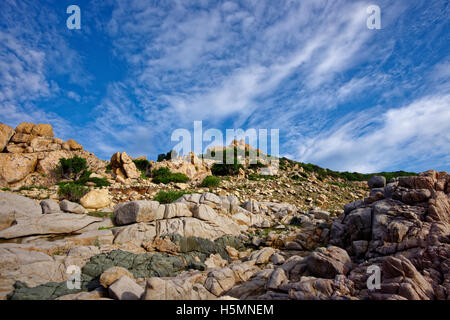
x,y
13,206
48,224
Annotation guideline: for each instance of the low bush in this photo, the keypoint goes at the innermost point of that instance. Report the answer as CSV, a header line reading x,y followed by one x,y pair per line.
x,y
86,177
210,182
72,191
72,168
142,165
223,169
164,175
169,155
169,196
101,214
76,169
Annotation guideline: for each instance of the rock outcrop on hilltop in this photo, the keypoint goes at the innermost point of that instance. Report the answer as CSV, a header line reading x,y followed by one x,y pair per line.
x,y
30,154
194,168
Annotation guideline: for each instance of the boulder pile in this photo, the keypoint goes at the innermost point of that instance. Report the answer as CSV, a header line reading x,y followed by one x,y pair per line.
x,y
30,153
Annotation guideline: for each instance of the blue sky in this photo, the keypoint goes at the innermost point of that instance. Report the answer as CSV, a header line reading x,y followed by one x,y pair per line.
x,y
343,96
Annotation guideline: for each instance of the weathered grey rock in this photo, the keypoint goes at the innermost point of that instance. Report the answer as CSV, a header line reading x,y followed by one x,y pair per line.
x,y
204,212
72,207
251,206
353,205
262,256
136,233
189,226
215,261
211,199
400,277
125,289
54,223
174,210
329,262
310,288
220,280
377,182
276,278
277,259
230,203
139,211
359,247
186,286
50,206
320,214
190,200
13,206
27,266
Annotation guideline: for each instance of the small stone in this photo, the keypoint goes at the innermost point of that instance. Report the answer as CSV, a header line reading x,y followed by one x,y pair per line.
x,y
125,289
72,207
112,274
49,206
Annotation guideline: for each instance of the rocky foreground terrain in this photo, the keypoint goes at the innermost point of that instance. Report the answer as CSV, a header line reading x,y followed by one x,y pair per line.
x,y
295,235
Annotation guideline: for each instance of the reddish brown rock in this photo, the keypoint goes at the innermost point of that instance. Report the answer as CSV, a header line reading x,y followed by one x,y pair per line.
x,y
15,167
6,132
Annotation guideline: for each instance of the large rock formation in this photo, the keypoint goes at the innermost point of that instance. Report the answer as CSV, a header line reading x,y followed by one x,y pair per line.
x,y
123,166
6,132
31,154
409,218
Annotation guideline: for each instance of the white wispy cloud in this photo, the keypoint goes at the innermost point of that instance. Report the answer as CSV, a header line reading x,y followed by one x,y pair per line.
x,y
375,140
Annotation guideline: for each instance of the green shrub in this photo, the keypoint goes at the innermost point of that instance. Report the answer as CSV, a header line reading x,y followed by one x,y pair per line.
x,y
163,175
223,169
142,165
227,169
72,168
349,176
254,177
85,178
72,191
167,156
76,168
101,214
100,182
210,182
169,196
33,186
296,221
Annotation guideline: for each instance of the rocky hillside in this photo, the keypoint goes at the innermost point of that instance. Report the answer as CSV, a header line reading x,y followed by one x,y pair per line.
x,y
139,229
